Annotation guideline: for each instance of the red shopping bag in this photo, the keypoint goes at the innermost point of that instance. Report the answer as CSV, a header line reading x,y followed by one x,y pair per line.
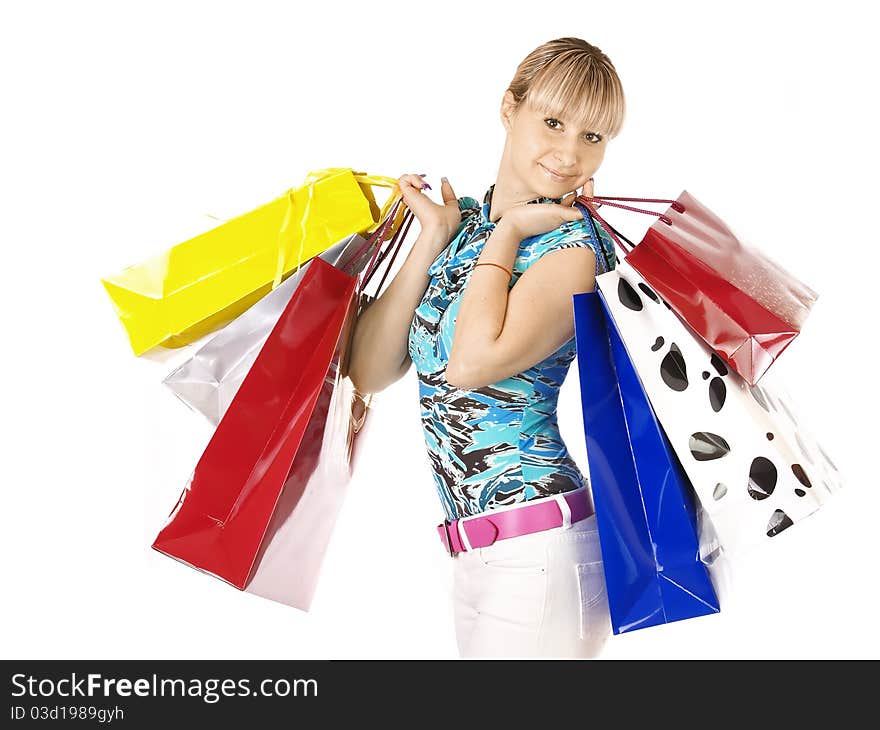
x,y
260,506
741,303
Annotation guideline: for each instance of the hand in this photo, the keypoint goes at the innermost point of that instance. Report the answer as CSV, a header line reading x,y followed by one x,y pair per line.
x,y
443,220
531,219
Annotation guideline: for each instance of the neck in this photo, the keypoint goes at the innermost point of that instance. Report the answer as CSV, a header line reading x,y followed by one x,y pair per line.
x,y
509,191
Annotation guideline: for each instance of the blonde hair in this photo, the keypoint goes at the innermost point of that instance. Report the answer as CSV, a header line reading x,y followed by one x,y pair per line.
x,y
571,78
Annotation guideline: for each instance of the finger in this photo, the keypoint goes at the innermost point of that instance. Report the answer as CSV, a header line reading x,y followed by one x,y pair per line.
x,y
414,181
406,188
587,189
410,195
447,192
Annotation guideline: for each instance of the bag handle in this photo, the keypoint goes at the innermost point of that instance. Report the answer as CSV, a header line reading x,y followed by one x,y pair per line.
x,y
605,201
675,204
587,206
309,184
588,210
379,181
378,238
396,244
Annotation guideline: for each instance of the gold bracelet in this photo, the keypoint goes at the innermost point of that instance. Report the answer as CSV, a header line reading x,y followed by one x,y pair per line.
x,y
507,271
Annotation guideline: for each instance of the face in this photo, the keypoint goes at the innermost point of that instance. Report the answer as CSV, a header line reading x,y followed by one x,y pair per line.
x,y
549,155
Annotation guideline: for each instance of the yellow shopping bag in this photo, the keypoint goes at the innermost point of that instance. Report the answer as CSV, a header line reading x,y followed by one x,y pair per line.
x,y
196,286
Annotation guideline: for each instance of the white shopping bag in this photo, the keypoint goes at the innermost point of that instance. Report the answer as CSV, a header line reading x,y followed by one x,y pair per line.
x,y
209,380
753,464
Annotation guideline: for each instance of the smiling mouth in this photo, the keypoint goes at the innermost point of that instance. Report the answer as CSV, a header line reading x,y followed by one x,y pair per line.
x,y
553,175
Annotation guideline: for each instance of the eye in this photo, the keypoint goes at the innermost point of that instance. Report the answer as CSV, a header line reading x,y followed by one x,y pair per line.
x,y
554,123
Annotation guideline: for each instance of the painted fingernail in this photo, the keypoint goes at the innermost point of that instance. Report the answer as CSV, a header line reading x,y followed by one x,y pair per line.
x,y
422,174
443,179
425,185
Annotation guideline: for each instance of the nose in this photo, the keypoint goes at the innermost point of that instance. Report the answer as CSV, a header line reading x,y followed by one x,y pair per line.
x,y
565,156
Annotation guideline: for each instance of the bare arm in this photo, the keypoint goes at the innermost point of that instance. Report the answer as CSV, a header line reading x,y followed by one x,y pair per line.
x,y
533,321
498,332
379,354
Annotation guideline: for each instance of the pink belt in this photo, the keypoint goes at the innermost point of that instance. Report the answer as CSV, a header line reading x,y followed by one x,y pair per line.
x,y
476,531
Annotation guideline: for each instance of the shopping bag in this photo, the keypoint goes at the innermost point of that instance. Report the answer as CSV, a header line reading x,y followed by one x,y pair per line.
x,y
753,464
645,508
744,305
209,380
196,286
259,508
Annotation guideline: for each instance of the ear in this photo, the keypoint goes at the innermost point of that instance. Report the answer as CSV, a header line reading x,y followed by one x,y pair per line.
x,y
508,107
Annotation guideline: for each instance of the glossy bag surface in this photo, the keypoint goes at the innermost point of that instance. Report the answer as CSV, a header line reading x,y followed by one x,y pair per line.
x,y
744,305
274,439
209,380
645,507
753,463
196,286
262,503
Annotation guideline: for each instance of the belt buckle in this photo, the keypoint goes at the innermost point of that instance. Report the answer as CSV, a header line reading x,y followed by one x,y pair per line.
x,y
446,524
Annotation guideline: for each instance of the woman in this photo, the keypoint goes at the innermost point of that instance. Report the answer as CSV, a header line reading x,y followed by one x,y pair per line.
x,y
483,307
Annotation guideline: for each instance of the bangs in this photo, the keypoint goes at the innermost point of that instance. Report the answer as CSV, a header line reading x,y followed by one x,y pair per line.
x,y
581,91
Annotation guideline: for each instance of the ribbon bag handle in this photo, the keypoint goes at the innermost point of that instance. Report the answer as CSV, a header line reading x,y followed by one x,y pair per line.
x,y
359,412
396,244
678,207
377,240
588,210
588,203
675,204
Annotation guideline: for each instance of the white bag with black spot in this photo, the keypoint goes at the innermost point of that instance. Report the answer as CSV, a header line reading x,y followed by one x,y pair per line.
x,y
752,464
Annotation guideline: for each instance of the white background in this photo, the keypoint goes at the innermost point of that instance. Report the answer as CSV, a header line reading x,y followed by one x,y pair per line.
x,y
125,125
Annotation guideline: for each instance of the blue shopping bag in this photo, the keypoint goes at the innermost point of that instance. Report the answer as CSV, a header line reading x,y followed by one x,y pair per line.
x,y
645,506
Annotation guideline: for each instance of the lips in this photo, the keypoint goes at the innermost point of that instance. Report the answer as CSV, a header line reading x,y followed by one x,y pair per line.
x,y
553,174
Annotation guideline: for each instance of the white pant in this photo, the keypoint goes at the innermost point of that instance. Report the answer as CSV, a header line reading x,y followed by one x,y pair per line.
x,y
536,595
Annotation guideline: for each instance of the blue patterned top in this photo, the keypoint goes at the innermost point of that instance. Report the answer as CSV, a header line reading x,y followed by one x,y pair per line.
x,y
498,444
